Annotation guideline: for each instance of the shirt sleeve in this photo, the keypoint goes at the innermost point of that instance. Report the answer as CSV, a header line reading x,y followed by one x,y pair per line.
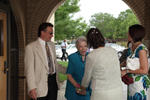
x,y
88,72
66,44
62,44
29,68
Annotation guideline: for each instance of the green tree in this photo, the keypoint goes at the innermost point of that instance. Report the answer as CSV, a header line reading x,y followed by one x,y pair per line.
x,y
104,22
112,27
124,20
65,26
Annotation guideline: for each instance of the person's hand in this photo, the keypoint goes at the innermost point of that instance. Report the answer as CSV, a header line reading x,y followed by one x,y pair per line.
x,y
33,94
123,64
123,72
81,90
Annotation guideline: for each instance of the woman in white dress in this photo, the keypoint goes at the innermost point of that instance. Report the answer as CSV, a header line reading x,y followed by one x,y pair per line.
x,y
102,69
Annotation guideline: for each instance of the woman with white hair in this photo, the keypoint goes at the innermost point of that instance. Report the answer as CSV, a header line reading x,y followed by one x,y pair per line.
x,y
75,71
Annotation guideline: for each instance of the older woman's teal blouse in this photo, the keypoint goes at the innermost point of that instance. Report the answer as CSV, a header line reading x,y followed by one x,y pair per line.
x,y
76,69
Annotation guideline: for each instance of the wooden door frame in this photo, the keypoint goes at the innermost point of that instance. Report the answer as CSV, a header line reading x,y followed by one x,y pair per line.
x,y
11,93
4,54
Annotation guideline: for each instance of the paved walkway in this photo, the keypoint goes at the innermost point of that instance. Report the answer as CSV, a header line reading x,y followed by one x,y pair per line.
x,y
61,92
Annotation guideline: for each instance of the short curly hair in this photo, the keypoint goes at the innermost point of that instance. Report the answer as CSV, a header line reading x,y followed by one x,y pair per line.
x,y
95,38
80,39
137,32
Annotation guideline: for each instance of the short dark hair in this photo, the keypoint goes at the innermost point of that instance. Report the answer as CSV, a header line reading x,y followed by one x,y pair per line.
x,y
137,32
94,38
43,26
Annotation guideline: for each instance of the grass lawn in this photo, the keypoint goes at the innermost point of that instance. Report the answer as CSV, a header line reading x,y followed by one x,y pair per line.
x,y
63,63
62,77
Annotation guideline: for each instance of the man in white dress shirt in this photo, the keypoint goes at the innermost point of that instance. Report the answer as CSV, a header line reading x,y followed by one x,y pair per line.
x,y
63,48
41,68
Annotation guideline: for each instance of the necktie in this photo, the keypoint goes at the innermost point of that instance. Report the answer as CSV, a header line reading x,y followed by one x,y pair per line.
x,y
49,58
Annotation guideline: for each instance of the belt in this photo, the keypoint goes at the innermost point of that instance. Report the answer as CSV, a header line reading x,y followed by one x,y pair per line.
x,y
52,75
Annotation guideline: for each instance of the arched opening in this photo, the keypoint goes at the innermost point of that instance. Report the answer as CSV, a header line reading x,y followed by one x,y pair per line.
x,y
115,32
135,11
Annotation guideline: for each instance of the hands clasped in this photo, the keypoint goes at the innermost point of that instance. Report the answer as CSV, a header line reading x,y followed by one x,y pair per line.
x,y
80,90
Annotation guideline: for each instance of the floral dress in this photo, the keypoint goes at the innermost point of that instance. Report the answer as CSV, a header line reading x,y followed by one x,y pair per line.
x,y
138,89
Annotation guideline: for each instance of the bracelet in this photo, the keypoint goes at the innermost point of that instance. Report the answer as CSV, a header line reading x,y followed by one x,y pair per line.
x,y
78,86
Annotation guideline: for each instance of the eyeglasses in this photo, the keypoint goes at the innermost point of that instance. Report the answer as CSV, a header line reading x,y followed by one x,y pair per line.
x,y
51,33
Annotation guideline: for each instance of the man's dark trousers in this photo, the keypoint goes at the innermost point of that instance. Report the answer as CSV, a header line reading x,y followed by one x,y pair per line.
x,y
52,89
63,55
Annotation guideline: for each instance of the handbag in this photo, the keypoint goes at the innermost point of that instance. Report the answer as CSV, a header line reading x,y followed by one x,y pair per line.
x,y
127,80
133,63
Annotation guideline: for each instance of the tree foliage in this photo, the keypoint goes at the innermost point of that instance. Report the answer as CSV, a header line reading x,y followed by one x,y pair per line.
x,y
112,27
65,26
104,22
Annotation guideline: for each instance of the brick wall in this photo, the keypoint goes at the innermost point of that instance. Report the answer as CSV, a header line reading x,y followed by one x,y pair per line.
x,y
141,10
28,15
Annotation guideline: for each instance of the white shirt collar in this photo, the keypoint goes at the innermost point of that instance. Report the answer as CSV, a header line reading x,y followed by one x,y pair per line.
x,y
42,42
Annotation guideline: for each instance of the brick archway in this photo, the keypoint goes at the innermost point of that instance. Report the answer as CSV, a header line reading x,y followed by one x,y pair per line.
x,y
41,12
21,30
30,13
141,10
137,8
